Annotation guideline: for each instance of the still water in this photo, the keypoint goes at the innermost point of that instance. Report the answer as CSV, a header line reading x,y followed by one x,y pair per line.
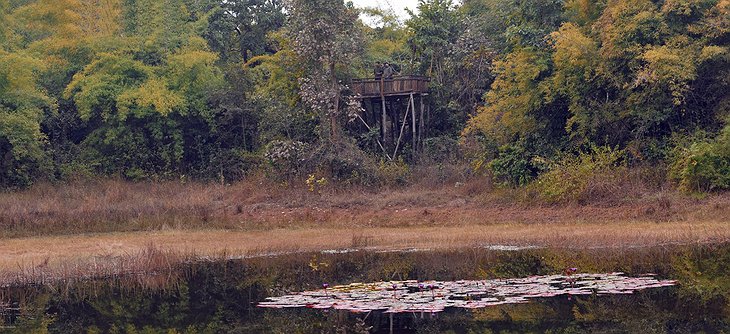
x,y
681,289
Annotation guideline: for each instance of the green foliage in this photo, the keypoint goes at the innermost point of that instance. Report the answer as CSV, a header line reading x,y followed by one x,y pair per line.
x,y
619,74
275,94
151,89
514,166
704,165
528,22
22,105
455,52
513,99
145,96
435,26
393,173
385,42
238,29
581,177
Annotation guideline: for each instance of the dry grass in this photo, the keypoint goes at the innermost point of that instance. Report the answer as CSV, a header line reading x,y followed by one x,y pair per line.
x,y
116,206
150,266
115,253
110,227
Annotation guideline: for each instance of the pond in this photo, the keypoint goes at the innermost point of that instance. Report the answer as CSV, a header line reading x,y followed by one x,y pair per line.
x,y
678,289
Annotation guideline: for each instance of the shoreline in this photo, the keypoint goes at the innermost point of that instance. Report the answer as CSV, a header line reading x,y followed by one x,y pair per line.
x,y
77,253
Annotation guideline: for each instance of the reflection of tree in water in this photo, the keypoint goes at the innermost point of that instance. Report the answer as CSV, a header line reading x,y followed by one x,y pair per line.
x,y
222,296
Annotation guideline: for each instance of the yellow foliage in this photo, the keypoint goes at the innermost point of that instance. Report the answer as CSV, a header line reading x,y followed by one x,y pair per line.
x,y
514,94
572,48
620,23
191,59
99,17
682,7
665,64
50,18
575,57
280,73
576,178
152,94
19,73
314,184
383,48
531,313
582,11
712,52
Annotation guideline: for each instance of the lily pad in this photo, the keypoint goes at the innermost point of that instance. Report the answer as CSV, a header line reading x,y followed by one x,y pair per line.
x,y
437,296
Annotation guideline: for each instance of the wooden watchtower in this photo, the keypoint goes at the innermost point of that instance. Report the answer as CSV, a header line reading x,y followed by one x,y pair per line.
x,y
390,105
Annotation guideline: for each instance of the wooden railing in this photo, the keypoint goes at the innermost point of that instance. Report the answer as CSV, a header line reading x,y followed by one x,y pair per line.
x,y
400,85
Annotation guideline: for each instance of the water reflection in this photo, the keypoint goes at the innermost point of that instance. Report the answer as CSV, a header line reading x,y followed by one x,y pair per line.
x,y
223,296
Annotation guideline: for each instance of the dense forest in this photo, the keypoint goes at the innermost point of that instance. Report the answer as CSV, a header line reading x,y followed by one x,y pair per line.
x,y
549,94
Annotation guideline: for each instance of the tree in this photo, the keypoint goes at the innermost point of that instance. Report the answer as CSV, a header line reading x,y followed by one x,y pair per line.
x,y
239,29
145,97
22,105
324,34
434,28
99,17
386,41
514,98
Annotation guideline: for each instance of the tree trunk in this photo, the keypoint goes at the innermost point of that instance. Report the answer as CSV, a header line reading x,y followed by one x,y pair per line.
x,y
334,131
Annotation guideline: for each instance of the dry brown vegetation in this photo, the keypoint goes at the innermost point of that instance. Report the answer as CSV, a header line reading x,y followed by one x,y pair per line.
x,y
70,229
62,257
258,204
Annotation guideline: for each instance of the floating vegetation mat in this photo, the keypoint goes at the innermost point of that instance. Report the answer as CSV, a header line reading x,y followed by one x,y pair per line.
x,y
436,296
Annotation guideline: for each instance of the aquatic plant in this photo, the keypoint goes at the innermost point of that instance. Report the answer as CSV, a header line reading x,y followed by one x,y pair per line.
x,y
407,296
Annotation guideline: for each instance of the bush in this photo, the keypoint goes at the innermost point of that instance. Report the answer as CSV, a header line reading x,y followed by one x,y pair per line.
x,y
582,177
343,161
441,149
514,166
231,165
393,173
285,158
704,165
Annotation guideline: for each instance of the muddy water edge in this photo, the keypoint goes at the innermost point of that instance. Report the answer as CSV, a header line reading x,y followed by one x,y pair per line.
x,y
221,296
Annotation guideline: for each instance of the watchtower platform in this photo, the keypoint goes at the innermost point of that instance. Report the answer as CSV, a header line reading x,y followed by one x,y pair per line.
x,y
390,106
400,85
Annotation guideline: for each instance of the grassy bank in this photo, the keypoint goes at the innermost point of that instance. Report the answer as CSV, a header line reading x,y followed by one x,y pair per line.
x,y
66,230
259,204
64,257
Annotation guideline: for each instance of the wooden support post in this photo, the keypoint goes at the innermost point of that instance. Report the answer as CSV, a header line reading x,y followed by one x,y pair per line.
x,y
394,117
420,125
384,115
413,126
403,126
377,140
428,118
383,122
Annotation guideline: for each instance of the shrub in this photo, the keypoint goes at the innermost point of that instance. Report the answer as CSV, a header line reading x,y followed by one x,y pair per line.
x,y
285,158
343,161
704,165
514,166
393,173
441,149
582,177
230,165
